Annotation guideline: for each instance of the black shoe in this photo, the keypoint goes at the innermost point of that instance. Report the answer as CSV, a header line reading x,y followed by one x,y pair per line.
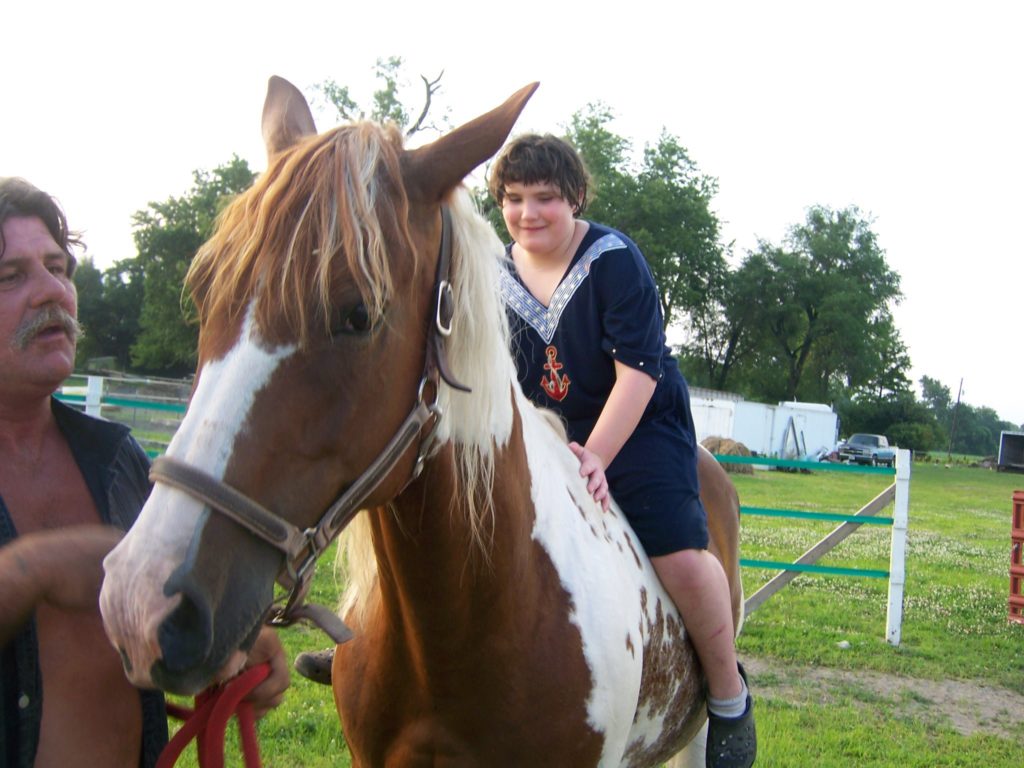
x,y
732,741
316,665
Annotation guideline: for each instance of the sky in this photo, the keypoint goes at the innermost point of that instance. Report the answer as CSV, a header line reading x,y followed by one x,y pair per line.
x,y
911,111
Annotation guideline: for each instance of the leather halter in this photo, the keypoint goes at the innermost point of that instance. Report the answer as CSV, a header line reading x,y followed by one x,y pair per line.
x,y
302,548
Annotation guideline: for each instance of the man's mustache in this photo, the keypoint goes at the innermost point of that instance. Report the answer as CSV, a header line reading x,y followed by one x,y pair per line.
x,y
44,319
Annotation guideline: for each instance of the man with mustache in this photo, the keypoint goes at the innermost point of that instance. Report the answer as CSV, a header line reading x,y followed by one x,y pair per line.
x,y
69,485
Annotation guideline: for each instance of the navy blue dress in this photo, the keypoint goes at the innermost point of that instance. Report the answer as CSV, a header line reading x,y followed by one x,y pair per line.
x,y
606,308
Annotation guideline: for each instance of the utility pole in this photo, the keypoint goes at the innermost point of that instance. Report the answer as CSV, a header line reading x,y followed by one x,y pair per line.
x,y
952,429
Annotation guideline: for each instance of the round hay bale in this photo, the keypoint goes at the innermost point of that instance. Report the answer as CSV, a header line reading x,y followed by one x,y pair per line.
x,y
723,446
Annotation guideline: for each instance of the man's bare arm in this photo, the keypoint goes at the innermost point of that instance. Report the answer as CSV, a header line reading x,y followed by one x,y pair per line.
x,y
63,567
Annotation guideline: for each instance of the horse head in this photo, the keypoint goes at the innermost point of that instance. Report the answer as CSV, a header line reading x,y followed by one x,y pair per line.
x,y
322,310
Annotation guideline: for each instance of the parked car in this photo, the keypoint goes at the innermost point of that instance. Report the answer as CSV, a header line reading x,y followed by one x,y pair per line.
x,y
863,448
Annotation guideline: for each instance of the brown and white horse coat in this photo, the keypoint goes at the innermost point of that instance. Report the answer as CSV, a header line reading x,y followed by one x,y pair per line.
x,y
501,617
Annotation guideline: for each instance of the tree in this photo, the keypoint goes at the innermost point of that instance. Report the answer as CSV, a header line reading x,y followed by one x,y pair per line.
x,y
935,395
672,217
724,329
386,104
915,436
812,315
123,291
925,424
976,428
664,204
905,421
606,156
89,284
167,236
887,360
108,308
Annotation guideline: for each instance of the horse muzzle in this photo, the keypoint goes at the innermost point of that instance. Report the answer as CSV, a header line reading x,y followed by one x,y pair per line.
x,y
182,622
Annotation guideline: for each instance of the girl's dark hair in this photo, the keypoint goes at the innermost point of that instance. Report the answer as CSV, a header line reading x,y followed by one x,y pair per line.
x,y
536,159
18,198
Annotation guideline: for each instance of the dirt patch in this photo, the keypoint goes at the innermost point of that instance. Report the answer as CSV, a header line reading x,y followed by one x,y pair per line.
x,y
965,706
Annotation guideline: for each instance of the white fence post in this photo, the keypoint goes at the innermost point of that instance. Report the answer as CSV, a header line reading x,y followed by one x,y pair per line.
x,y
94,396
898,550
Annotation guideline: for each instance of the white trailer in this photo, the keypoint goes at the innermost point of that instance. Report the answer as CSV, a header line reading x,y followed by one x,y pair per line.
x,y
787,430
1011,451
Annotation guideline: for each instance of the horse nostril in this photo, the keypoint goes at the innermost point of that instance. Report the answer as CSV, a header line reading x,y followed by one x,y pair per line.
x,y
184,636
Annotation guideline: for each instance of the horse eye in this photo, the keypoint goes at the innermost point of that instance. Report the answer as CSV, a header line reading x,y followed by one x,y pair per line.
x,y
355,320
359,319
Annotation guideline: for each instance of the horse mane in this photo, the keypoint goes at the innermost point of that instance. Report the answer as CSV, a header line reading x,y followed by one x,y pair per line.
x,y
338,192
476,423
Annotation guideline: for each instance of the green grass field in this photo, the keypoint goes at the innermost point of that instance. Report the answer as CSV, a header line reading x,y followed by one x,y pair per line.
x,y
955,628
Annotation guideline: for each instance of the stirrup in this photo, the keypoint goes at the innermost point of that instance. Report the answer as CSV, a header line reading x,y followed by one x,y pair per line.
x,y
732,741
316,665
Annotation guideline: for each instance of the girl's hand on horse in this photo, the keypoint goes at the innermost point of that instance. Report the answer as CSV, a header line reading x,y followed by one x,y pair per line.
x,y
592,468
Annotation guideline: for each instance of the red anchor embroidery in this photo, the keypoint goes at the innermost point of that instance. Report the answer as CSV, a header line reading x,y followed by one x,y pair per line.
x,y
556,386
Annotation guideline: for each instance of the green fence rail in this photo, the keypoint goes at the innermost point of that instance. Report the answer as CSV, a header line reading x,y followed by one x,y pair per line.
x,y
830,570
128,402
164,412
896,494
827,466
805,515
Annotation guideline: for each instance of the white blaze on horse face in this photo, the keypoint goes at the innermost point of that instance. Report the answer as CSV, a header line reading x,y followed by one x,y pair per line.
x,y
132,600
220,407
597,553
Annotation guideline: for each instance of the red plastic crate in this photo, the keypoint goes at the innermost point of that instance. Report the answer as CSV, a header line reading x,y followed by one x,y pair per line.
x,y
1017,609
1016,603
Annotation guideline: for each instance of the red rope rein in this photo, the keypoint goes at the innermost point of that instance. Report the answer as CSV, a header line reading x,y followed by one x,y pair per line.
x,y
208,722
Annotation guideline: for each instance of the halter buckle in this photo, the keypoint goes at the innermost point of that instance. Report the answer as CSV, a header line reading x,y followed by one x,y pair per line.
x,y
445,308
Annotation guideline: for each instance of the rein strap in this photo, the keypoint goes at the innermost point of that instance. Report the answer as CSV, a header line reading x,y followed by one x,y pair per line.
x,y
207,722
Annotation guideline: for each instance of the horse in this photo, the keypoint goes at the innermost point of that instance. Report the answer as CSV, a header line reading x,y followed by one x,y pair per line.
x,y
354,357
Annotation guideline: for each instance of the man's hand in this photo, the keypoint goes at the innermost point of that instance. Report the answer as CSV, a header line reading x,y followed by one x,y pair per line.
x,y
270,692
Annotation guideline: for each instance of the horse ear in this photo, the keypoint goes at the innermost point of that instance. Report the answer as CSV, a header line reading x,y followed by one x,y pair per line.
x,y
431,171
286,116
